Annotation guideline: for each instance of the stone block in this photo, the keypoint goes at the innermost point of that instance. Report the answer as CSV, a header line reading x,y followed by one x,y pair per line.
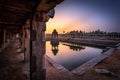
x,y
33,35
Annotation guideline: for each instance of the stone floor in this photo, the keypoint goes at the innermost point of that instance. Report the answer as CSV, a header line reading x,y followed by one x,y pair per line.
x,y
56,74
12,67
11,63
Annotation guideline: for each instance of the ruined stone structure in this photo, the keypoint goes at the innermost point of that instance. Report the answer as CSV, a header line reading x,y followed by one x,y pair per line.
x,y
28,20
54,34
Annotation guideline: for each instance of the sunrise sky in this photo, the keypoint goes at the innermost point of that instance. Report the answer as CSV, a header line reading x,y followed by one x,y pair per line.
x,y
86,15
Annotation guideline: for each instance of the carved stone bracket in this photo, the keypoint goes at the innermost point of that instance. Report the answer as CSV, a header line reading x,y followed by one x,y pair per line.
x,y
44,16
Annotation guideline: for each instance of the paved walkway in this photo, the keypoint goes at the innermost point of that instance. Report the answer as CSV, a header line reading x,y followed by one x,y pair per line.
x,y
12,66
11,63
56,72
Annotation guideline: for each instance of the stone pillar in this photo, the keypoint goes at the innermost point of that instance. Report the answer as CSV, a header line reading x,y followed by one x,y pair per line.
x,y
4,38
7,40
27,40
1,36
23,41
38,45
8,37
11,35
23,37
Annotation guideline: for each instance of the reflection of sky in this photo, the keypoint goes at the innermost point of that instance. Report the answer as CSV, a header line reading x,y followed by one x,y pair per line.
x,y
86,15
69,58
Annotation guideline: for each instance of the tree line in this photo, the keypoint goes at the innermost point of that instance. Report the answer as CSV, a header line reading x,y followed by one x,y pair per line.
x,y
97,33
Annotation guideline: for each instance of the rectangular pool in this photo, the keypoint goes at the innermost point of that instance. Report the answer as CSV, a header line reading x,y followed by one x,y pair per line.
x,y
71,55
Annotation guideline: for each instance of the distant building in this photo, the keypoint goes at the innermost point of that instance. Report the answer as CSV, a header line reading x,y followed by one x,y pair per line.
x,y
54,34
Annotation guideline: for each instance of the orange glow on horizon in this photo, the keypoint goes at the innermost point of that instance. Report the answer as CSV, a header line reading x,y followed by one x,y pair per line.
x,y
69,17
67,20
64,24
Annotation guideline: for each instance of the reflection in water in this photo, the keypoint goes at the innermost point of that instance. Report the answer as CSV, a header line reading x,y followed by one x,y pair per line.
x,y
54,45
74,47
67,57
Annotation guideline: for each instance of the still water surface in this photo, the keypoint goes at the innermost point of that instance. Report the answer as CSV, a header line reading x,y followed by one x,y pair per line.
x,y
71,55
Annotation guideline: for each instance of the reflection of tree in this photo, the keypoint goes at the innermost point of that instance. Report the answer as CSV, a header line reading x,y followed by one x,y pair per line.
x,y
75,47
54,46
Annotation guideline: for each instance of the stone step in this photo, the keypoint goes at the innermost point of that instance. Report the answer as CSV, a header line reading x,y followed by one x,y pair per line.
x,y
57,66
118,44
82,69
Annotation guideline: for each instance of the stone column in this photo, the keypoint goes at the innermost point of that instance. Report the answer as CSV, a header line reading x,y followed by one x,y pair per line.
x,y
23,41
38,45
4,38
10,35
7,38
27,40
1,41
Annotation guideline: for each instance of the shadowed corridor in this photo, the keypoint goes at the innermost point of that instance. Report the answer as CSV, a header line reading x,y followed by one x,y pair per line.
x,y
12,66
